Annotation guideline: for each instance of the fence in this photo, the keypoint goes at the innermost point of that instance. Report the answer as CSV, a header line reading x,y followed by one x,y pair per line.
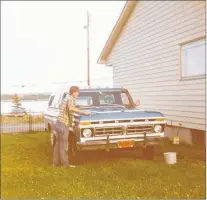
x,y
22,123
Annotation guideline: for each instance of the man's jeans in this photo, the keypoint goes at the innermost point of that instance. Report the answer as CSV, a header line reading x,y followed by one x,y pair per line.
x,y
61,146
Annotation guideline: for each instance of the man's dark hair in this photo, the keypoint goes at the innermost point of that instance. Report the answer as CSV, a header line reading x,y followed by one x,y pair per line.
x,y
73,89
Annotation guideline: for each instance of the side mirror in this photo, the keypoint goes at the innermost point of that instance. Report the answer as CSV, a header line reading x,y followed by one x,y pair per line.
x,y
137,102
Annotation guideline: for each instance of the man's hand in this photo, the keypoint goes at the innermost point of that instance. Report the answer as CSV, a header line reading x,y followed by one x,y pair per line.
x,y
86,112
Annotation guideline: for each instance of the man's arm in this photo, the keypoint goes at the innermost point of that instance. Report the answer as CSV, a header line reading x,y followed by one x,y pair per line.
x,y
74,109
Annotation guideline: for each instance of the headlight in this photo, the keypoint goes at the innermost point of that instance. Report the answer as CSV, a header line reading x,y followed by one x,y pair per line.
x,y
87,132
158,128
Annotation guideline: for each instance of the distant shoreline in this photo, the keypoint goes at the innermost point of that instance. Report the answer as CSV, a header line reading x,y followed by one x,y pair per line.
x,y
28,97
24,100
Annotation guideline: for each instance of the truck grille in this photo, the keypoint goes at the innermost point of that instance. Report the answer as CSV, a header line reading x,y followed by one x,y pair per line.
x,y
139,129
109,131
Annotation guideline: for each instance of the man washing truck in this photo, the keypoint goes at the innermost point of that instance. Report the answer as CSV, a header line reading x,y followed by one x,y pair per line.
x,y
64,121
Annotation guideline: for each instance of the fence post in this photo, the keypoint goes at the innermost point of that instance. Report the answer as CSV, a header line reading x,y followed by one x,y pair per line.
x,y
30,123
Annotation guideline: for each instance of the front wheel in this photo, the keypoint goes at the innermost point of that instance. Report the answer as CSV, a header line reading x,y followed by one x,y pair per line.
x,y
74,156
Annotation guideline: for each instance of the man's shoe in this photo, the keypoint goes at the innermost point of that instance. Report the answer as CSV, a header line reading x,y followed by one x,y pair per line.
x,y
71,166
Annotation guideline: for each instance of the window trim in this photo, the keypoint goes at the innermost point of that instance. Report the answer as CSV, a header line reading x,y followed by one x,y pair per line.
x,y
52,97
194,77
57,104
63,96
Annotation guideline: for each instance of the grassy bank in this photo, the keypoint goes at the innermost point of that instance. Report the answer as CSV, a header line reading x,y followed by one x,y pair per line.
x,y
27,172
26,119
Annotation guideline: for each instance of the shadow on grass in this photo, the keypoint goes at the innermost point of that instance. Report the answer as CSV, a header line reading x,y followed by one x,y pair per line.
x,y
37,146
91,157
184,152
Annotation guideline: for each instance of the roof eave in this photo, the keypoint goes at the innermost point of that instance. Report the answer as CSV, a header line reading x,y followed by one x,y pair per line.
x,y
129,6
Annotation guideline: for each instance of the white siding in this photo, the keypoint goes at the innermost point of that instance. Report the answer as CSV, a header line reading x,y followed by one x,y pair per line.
x,y
146,59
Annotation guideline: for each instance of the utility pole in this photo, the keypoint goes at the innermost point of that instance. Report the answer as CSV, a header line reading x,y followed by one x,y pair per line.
x,y
88,52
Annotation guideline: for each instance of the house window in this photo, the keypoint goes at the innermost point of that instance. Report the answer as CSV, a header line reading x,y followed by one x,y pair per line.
x,y
193,59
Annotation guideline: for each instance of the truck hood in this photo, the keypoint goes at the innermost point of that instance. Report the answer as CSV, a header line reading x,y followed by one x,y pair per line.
x,y
119,114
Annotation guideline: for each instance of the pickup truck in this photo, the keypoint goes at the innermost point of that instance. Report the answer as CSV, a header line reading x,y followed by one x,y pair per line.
x,y
116,122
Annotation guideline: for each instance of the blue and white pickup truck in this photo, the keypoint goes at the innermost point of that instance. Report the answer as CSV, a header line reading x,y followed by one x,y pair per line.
x,y
115,122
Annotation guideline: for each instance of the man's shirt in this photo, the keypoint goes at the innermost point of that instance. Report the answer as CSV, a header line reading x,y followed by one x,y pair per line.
x,y
66,116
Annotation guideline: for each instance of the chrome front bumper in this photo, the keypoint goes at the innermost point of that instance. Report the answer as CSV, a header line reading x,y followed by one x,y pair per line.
x,y
112,142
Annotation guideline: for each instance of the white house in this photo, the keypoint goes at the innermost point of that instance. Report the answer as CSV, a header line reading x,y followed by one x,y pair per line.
x,y
157,51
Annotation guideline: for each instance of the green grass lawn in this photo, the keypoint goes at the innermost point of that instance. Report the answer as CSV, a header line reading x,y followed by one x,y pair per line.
x,y
27,172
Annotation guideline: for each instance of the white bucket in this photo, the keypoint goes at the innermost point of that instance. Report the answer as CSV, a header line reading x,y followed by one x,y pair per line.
x,y
170,157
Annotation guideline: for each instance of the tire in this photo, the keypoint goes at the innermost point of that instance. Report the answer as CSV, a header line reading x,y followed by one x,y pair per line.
x,y
75,157
148,153
52,142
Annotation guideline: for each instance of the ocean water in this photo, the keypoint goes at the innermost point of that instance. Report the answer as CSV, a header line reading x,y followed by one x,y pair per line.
x,y
30,106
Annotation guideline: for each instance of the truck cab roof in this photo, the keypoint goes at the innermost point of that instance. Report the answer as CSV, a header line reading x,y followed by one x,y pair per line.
x,y
91,89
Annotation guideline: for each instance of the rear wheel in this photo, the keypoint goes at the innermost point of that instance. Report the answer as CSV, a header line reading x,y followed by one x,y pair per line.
x,y
148,153
52,139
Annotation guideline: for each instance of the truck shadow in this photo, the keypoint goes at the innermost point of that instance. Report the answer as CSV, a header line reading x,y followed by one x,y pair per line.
x,y
90,157
184,152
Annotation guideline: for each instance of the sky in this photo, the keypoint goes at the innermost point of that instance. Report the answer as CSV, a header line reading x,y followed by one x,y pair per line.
x,y
44,42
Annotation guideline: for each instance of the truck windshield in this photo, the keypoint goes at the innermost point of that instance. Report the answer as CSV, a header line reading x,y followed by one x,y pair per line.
x,y
100,99
84,101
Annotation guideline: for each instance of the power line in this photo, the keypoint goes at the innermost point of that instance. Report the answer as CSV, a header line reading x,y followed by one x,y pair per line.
x,y
61,82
